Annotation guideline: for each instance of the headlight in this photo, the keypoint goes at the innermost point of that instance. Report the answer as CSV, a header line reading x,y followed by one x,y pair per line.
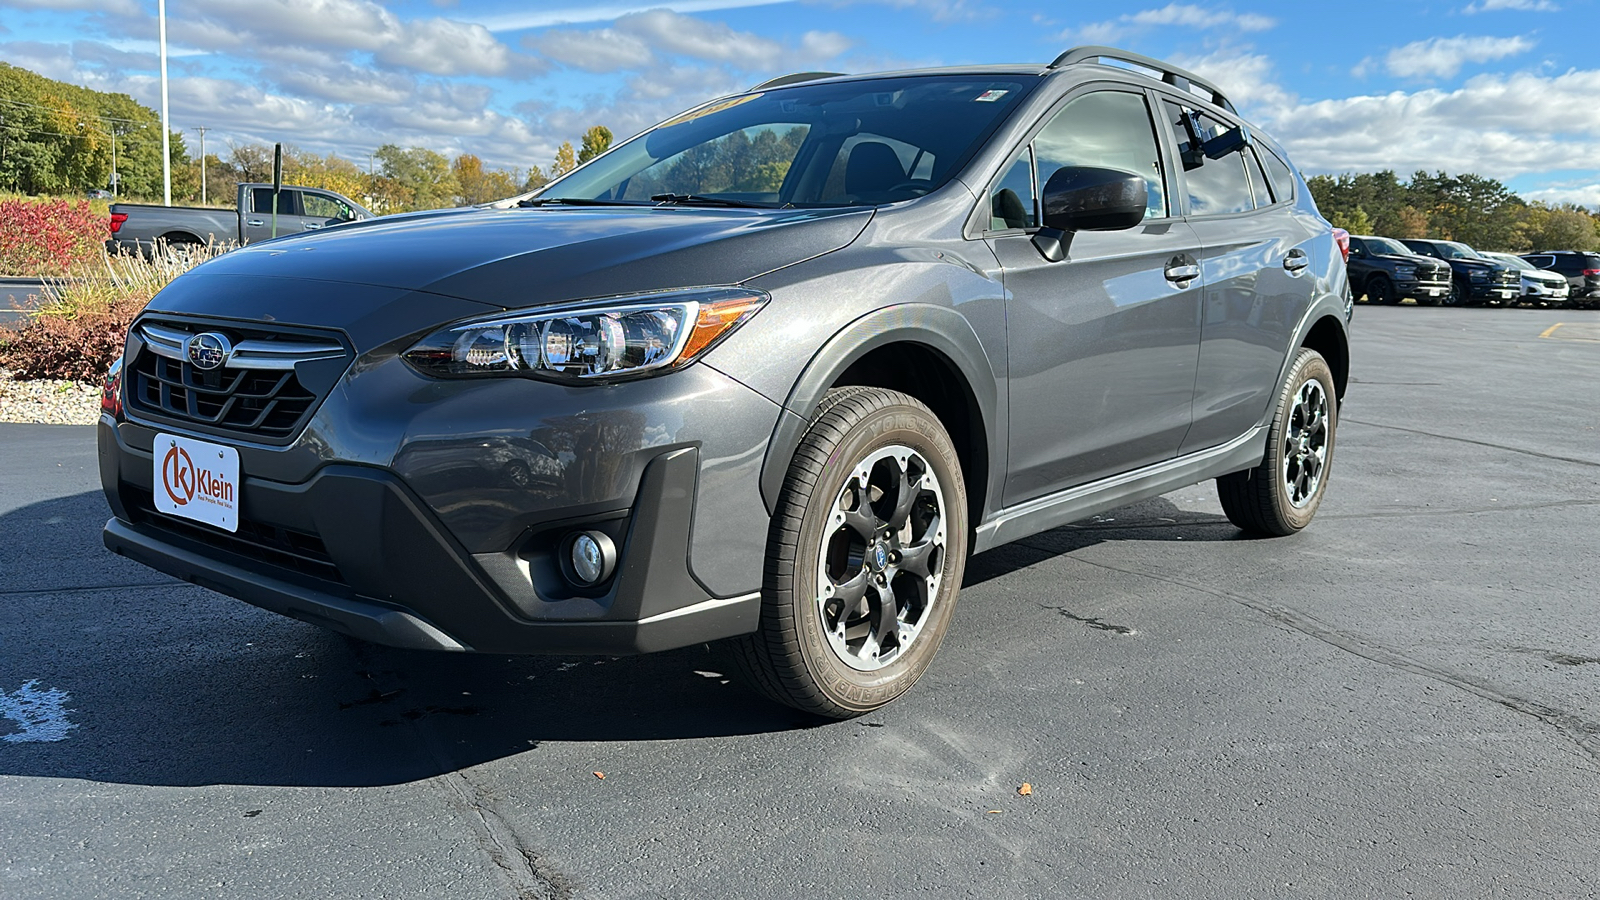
x,y
1479,275
618,338
1405,271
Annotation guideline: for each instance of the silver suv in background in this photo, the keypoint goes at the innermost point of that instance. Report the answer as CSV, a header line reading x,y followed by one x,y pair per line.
x,y
775,368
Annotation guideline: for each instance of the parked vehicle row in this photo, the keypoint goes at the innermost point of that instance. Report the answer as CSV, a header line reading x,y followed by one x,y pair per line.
x,y
1451,273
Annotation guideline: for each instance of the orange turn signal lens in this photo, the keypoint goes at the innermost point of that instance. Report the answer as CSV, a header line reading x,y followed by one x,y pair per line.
x,y
717,318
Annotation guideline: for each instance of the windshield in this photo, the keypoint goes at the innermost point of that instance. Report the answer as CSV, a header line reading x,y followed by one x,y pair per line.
x,y
843,144
1514,261
1385,246
1453,250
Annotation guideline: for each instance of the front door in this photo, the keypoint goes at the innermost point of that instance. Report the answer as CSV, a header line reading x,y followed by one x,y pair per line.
x,y
1102,344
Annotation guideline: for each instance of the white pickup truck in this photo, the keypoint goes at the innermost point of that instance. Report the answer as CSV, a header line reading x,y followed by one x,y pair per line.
x,y
299,209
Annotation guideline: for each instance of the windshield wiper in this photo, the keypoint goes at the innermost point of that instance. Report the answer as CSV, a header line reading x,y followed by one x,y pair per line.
x,y
702,200
576,201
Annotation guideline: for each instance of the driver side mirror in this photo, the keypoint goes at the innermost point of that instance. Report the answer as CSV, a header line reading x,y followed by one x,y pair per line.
x,y
1088,198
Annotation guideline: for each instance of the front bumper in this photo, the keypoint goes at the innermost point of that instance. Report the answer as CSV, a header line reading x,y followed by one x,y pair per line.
x,y
1415,289
354,549
1480,290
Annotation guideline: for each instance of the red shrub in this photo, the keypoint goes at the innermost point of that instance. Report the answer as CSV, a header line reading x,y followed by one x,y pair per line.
x,y
49,237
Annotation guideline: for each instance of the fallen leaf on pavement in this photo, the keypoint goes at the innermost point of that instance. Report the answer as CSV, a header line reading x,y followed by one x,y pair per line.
x,y
600,775
1026,789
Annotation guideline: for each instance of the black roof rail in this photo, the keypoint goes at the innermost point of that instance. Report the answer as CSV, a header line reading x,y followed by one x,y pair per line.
x,y
794,78
1178,78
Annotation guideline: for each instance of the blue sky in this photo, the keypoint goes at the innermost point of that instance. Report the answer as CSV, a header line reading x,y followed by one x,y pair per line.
x,y
1505,88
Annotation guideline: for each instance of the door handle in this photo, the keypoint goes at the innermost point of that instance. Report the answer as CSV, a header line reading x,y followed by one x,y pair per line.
x,y
1181,273
312,225
1296,260
255,222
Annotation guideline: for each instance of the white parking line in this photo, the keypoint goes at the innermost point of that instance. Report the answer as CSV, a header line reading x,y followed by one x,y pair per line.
x,y
41,715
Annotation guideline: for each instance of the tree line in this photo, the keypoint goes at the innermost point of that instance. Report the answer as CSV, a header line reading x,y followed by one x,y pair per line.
x,y
1472,209
396,179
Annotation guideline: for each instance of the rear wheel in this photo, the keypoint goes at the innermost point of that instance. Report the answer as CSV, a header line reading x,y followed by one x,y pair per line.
x,y
1281,495
864,558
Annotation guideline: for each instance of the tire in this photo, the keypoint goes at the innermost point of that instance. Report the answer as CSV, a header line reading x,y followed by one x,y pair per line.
x,y
1458,295
1281,495
1380,290
831,642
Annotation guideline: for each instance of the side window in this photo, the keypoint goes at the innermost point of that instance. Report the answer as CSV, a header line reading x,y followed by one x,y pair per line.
x,y
1216,186
1258,180
261,201
319,206
1011,202
1109,129
1280,176
1357,248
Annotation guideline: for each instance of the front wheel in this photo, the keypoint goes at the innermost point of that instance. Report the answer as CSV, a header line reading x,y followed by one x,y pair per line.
x,y
864,557
1381,291
1281,495
1458,294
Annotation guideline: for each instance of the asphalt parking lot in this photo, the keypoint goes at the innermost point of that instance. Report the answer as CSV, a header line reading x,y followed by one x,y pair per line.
x,y
1404,700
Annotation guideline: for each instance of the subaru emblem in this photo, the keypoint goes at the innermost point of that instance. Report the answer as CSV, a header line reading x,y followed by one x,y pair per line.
x,y
881,556
208,351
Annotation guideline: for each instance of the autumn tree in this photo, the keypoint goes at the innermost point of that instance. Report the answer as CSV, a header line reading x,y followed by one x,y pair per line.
x,y
595,142
565,160
480,185
536,179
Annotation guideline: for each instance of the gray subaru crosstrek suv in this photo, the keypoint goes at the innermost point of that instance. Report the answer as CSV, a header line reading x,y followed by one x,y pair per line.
x,y
766,373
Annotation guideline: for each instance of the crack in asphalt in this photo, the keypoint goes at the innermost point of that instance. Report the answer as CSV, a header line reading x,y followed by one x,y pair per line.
x,y
525,873
1450,437
1096,624
1584,733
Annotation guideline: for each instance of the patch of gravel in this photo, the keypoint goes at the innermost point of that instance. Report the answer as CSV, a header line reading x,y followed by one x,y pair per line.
x,y
48,401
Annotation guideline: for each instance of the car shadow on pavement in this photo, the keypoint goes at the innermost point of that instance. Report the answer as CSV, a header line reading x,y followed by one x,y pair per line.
x,y
1157,519
167,684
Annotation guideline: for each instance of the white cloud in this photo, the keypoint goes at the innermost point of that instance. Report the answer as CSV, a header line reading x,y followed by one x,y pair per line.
x,y
606,12
119,7
1587,195
444,47
1174,14
1444,57
597,50
1498,125
1518,5
635,40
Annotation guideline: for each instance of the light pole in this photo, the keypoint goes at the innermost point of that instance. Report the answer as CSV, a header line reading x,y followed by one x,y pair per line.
x,y
166,150
202,129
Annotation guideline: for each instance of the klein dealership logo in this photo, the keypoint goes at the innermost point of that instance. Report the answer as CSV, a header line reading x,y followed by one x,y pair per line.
x,y
182,480
208,351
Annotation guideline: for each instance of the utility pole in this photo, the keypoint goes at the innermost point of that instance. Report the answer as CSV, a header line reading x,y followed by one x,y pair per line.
x,y
202,129
166,129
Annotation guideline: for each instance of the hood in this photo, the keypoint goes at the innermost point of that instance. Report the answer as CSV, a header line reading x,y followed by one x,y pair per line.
x,y
1414,259
524,257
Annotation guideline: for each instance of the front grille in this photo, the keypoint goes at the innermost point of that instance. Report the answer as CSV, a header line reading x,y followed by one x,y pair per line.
x,y
279,547
265,391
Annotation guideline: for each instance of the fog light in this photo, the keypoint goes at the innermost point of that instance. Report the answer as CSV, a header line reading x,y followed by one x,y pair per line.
x,y
592,557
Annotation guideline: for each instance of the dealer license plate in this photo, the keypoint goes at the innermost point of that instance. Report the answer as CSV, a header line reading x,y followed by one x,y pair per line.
x,y
197,480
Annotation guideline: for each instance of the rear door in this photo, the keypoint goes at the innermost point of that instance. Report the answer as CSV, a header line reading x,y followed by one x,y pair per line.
x,y
1102,345
258,221
1254,259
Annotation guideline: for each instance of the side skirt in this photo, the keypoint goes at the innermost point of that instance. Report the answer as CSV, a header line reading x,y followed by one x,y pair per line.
x,y
1073,504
